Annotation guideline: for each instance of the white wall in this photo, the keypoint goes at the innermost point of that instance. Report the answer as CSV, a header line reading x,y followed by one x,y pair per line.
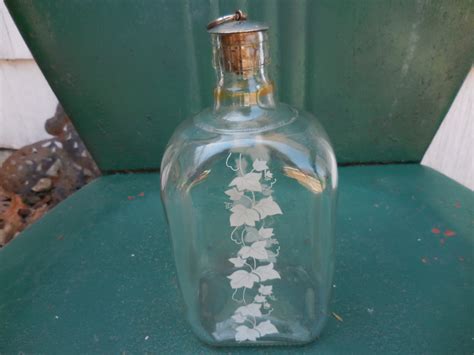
x,y
26,100
451,151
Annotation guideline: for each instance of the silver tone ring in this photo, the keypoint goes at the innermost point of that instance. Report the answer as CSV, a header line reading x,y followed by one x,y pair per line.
x,y
239,15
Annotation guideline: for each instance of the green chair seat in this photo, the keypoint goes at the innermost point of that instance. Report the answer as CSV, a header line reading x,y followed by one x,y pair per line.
x,y
96,274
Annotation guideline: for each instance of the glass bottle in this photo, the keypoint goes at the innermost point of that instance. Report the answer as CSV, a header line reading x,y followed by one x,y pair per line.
x,y
249,189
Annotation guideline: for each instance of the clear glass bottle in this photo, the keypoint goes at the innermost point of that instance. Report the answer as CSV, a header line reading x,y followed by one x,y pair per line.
x,y
249,188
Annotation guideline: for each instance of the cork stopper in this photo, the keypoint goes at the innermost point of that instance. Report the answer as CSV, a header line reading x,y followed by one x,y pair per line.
x,y
239,45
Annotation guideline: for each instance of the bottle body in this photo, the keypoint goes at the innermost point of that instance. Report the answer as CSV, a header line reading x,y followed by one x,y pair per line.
x,y
250,196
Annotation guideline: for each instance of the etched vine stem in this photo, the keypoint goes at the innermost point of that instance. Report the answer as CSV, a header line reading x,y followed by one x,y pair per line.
x,y
251,203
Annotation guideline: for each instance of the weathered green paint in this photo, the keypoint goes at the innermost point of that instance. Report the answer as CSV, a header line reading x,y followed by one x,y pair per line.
x,y
96,275
380,75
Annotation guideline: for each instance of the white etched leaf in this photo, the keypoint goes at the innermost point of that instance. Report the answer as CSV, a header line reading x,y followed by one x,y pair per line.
x,y
238,318
241,163
260,299
256,243
267,207
271,256
271,242
242,278
250,182
266,191
256,250
266,232
266,327
238,262
265,290
260,165
251,234
234,194
252,309
246,333
267,272
243,215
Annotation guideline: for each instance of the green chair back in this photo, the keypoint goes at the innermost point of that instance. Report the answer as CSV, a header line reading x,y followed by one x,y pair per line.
x,y
380,75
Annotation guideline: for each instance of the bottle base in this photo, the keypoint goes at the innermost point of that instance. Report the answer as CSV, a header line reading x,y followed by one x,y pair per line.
x,y
259,343
225,337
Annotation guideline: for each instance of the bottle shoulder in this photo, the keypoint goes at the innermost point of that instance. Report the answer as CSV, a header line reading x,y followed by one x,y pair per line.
x,y
302,143
236,124
252,119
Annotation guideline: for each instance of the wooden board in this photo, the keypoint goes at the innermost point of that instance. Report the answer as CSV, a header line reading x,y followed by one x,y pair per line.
x,y
11,43
452,150
26,102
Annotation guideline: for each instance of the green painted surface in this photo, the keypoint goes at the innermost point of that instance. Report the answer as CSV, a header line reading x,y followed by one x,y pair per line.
x,y
96,274
380,75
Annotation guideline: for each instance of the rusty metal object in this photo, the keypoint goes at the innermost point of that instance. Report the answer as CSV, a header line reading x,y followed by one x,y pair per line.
x,y
41,175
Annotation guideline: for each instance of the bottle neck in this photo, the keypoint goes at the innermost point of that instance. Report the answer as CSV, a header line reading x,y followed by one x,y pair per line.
x,y
241,63
250,88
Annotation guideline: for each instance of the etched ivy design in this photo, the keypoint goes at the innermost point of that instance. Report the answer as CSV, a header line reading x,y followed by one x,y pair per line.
x,y
251,202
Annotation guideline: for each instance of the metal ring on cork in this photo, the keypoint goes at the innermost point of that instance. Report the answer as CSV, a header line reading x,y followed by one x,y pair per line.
x,y
239,15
